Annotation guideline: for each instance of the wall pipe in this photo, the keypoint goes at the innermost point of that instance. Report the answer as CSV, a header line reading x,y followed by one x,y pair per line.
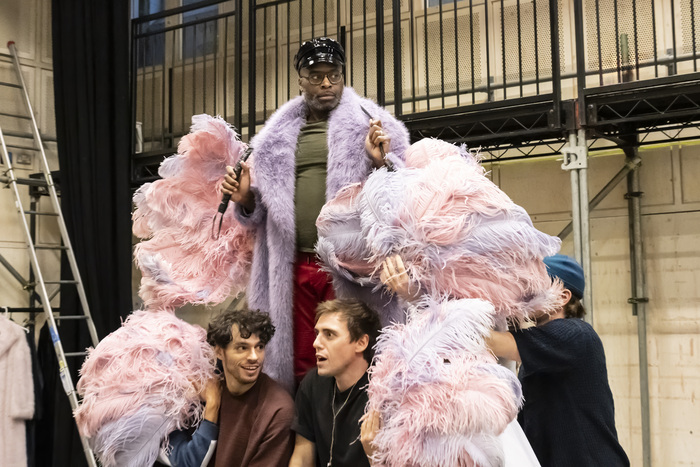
x,y
585,228
576,162
639,298
575,207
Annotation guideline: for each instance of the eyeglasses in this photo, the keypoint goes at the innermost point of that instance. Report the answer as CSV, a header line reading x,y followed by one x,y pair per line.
x,y
317,78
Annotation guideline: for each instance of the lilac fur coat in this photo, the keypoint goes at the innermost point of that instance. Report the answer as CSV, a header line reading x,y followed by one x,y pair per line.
x,y
273,179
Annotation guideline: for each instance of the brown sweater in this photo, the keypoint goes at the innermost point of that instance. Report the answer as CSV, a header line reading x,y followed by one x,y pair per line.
x,y
254,428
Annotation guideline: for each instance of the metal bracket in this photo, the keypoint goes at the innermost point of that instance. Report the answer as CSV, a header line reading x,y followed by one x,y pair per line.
x,y
591,114
570,115
637,300
551,119
575,157
634,194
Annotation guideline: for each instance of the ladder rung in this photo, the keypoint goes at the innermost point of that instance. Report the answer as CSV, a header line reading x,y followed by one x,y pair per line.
x,y
26,181
75,354
61,282
50,247
16,146
20,134
41,213
10,85
70,317
15,116
30,136
30,310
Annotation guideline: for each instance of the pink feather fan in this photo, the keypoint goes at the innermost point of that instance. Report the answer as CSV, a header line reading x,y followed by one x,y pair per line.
x,y
181,262
442,397
140,383
458,234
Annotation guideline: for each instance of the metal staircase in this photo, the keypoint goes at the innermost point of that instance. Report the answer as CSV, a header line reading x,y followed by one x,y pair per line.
x,y
40,283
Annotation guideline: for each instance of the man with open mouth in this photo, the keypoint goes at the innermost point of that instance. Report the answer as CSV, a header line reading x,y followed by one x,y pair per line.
x,y
331,399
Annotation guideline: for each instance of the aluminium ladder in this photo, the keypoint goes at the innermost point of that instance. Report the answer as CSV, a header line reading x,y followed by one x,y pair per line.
x,y
67,249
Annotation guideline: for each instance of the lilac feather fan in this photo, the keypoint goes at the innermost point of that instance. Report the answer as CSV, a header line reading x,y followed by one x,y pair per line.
x,y
442,397
179,259
340,241
379,208
140,383
458,234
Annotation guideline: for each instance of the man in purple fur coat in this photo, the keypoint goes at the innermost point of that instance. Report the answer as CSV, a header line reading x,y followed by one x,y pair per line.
x,y
309,149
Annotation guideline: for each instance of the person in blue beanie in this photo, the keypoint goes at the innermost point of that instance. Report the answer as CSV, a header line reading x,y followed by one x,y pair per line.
x,y
568,413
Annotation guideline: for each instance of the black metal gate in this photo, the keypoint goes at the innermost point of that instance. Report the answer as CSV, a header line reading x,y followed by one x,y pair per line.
x,y
501,74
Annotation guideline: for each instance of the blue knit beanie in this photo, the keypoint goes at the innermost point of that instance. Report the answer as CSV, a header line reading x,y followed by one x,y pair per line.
x,y
568,271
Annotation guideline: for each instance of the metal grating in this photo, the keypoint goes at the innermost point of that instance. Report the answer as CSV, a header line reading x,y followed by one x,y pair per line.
x,y
690,26
619,33
361,55
457,52
468,73
388,63
407,66
268,66
448,53
318,18
525,50
535,57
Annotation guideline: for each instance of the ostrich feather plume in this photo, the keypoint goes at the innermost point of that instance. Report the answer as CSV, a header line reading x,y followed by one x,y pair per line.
x,y
442,397
457,233
340,244
181,262
140,383
143,380
134,440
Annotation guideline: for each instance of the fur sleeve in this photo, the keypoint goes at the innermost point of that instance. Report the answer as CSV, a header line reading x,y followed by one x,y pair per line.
x,y
254,218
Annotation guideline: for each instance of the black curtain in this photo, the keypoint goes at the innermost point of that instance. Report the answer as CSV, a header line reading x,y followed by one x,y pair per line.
x,y
91,86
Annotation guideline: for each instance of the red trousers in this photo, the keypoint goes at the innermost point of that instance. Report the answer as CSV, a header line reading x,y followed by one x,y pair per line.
x,y
311,287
